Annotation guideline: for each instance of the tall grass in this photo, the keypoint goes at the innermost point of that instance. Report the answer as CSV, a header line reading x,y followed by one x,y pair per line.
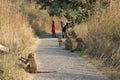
x,y
15,33
40,20
20,21
103,35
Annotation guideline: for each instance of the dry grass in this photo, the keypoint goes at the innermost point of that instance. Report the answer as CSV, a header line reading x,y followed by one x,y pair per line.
x,y
45,22
19,21
39,19
81,30
15,33
103,37
110,72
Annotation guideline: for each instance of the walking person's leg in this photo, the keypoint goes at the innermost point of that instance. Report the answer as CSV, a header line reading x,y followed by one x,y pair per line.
x,y
63,34
55,35
52,34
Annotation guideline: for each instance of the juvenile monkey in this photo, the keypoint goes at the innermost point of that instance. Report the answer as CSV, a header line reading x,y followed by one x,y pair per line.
x,y
31,64
60,40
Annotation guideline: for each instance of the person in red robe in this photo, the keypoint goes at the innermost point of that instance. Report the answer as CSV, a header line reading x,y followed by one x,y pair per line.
x,y
53,29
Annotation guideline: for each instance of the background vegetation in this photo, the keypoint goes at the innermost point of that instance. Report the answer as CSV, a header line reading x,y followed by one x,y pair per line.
x,y
73,10
22,20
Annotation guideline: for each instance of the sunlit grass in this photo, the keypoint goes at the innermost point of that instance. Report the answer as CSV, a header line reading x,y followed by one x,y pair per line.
x,y
102,37
17,34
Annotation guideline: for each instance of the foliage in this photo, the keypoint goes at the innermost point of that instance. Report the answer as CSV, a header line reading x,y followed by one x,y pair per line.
x,y
73,10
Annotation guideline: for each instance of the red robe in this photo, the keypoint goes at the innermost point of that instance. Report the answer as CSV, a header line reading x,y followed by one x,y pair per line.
x,y
53,28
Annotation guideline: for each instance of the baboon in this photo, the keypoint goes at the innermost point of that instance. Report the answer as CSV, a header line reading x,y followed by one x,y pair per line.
x,y
80,45
60,40
68,44
68,41
31,64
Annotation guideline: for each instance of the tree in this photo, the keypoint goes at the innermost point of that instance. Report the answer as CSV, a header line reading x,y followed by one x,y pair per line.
x,y
73,10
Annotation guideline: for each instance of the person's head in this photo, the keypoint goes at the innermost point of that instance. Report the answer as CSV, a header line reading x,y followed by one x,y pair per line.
x,y
53,22
67,25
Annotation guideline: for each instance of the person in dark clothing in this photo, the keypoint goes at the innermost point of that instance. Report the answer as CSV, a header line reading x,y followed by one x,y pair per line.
x,y
62,26
64,30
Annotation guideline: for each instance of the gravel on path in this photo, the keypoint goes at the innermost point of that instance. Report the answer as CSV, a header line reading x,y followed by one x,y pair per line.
x,y
51,57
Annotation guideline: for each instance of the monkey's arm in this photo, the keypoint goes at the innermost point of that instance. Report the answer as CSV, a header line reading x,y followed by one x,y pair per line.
x,y
24,60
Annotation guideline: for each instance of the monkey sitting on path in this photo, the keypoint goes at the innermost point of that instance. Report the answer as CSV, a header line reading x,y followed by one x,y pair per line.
x,y
31,64
60,40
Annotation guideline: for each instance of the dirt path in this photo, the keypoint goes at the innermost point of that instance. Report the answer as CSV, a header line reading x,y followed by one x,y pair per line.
x,y
68,65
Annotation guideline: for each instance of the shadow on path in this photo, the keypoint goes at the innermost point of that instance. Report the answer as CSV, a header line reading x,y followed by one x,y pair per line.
x,y
48,35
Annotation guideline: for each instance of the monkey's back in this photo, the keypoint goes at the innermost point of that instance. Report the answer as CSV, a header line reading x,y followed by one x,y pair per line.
x,y
32,66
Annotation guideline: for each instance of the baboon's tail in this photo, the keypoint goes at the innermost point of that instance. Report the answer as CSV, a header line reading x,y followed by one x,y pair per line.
x,y
46,71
